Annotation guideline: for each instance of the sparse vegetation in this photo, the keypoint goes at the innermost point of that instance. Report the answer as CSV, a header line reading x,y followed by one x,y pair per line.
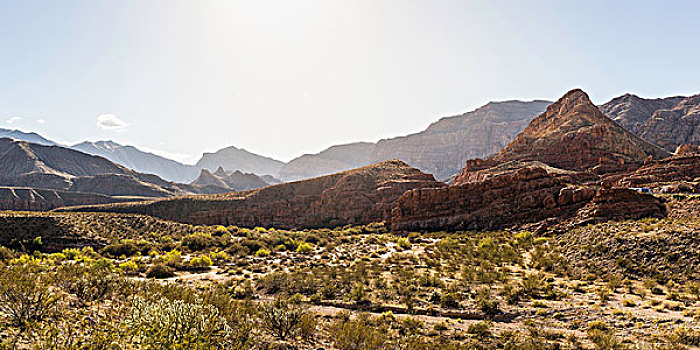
x,y
346,288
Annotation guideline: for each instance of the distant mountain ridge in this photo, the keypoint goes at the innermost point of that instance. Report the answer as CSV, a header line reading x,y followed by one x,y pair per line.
x,y
25,164
442,149
136,159
331,160
234,181
26,136
573,134
233,158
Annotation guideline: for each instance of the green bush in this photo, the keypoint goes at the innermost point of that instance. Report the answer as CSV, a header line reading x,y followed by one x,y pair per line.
x,y
201,262
304,248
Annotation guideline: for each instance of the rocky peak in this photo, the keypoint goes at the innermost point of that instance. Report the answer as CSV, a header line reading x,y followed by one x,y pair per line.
x,y
573,134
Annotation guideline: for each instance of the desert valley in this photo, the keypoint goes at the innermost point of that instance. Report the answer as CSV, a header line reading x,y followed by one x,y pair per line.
x,y
349,175
569,226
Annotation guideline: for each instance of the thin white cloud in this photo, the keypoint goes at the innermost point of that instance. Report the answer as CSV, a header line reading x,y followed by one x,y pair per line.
x,y
111,122
13,120
41,121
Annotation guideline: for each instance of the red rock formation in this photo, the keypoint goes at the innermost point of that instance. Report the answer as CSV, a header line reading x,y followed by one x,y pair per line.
x,y
353,197
572,134
526,196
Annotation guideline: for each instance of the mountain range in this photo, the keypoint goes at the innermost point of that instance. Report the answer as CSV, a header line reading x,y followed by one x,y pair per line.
x,y
552,171
442,149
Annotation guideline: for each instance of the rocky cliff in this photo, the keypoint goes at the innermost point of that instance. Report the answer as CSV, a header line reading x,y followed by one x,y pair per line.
x,y
354,197
444,147
683,166
668,122
527,195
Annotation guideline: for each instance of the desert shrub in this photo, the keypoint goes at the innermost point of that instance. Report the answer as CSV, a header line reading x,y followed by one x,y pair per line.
x,y
88,284
116,250
487,303
25,294
219,256
357,334
197,241
262,253
6,254
304,248
129,267
172,258
282,318
160,271
165,324
480,329
201,262
404,243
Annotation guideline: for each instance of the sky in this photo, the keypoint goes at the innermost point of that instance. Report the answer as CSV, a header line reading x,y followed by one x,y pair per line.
x,y
284,78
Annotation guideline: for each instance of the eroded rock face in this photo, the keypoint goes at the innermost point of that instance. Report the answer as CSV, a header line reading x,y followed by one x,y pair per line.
x,y
622,204
684,166
41,199
445,145
670,128
632,112
527,196
355,197
668,122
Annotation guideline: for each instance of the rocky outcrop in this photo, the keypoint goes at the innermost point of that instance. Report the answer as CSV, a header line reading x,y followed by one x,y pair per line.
x,y
621,204
354,197
572,134
235,181
683,166
332,160
444,147
527,196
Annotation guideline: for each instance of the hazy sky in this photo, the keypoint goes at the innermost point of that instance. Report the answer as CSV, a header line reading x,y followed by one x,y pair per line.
x,y
283,78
